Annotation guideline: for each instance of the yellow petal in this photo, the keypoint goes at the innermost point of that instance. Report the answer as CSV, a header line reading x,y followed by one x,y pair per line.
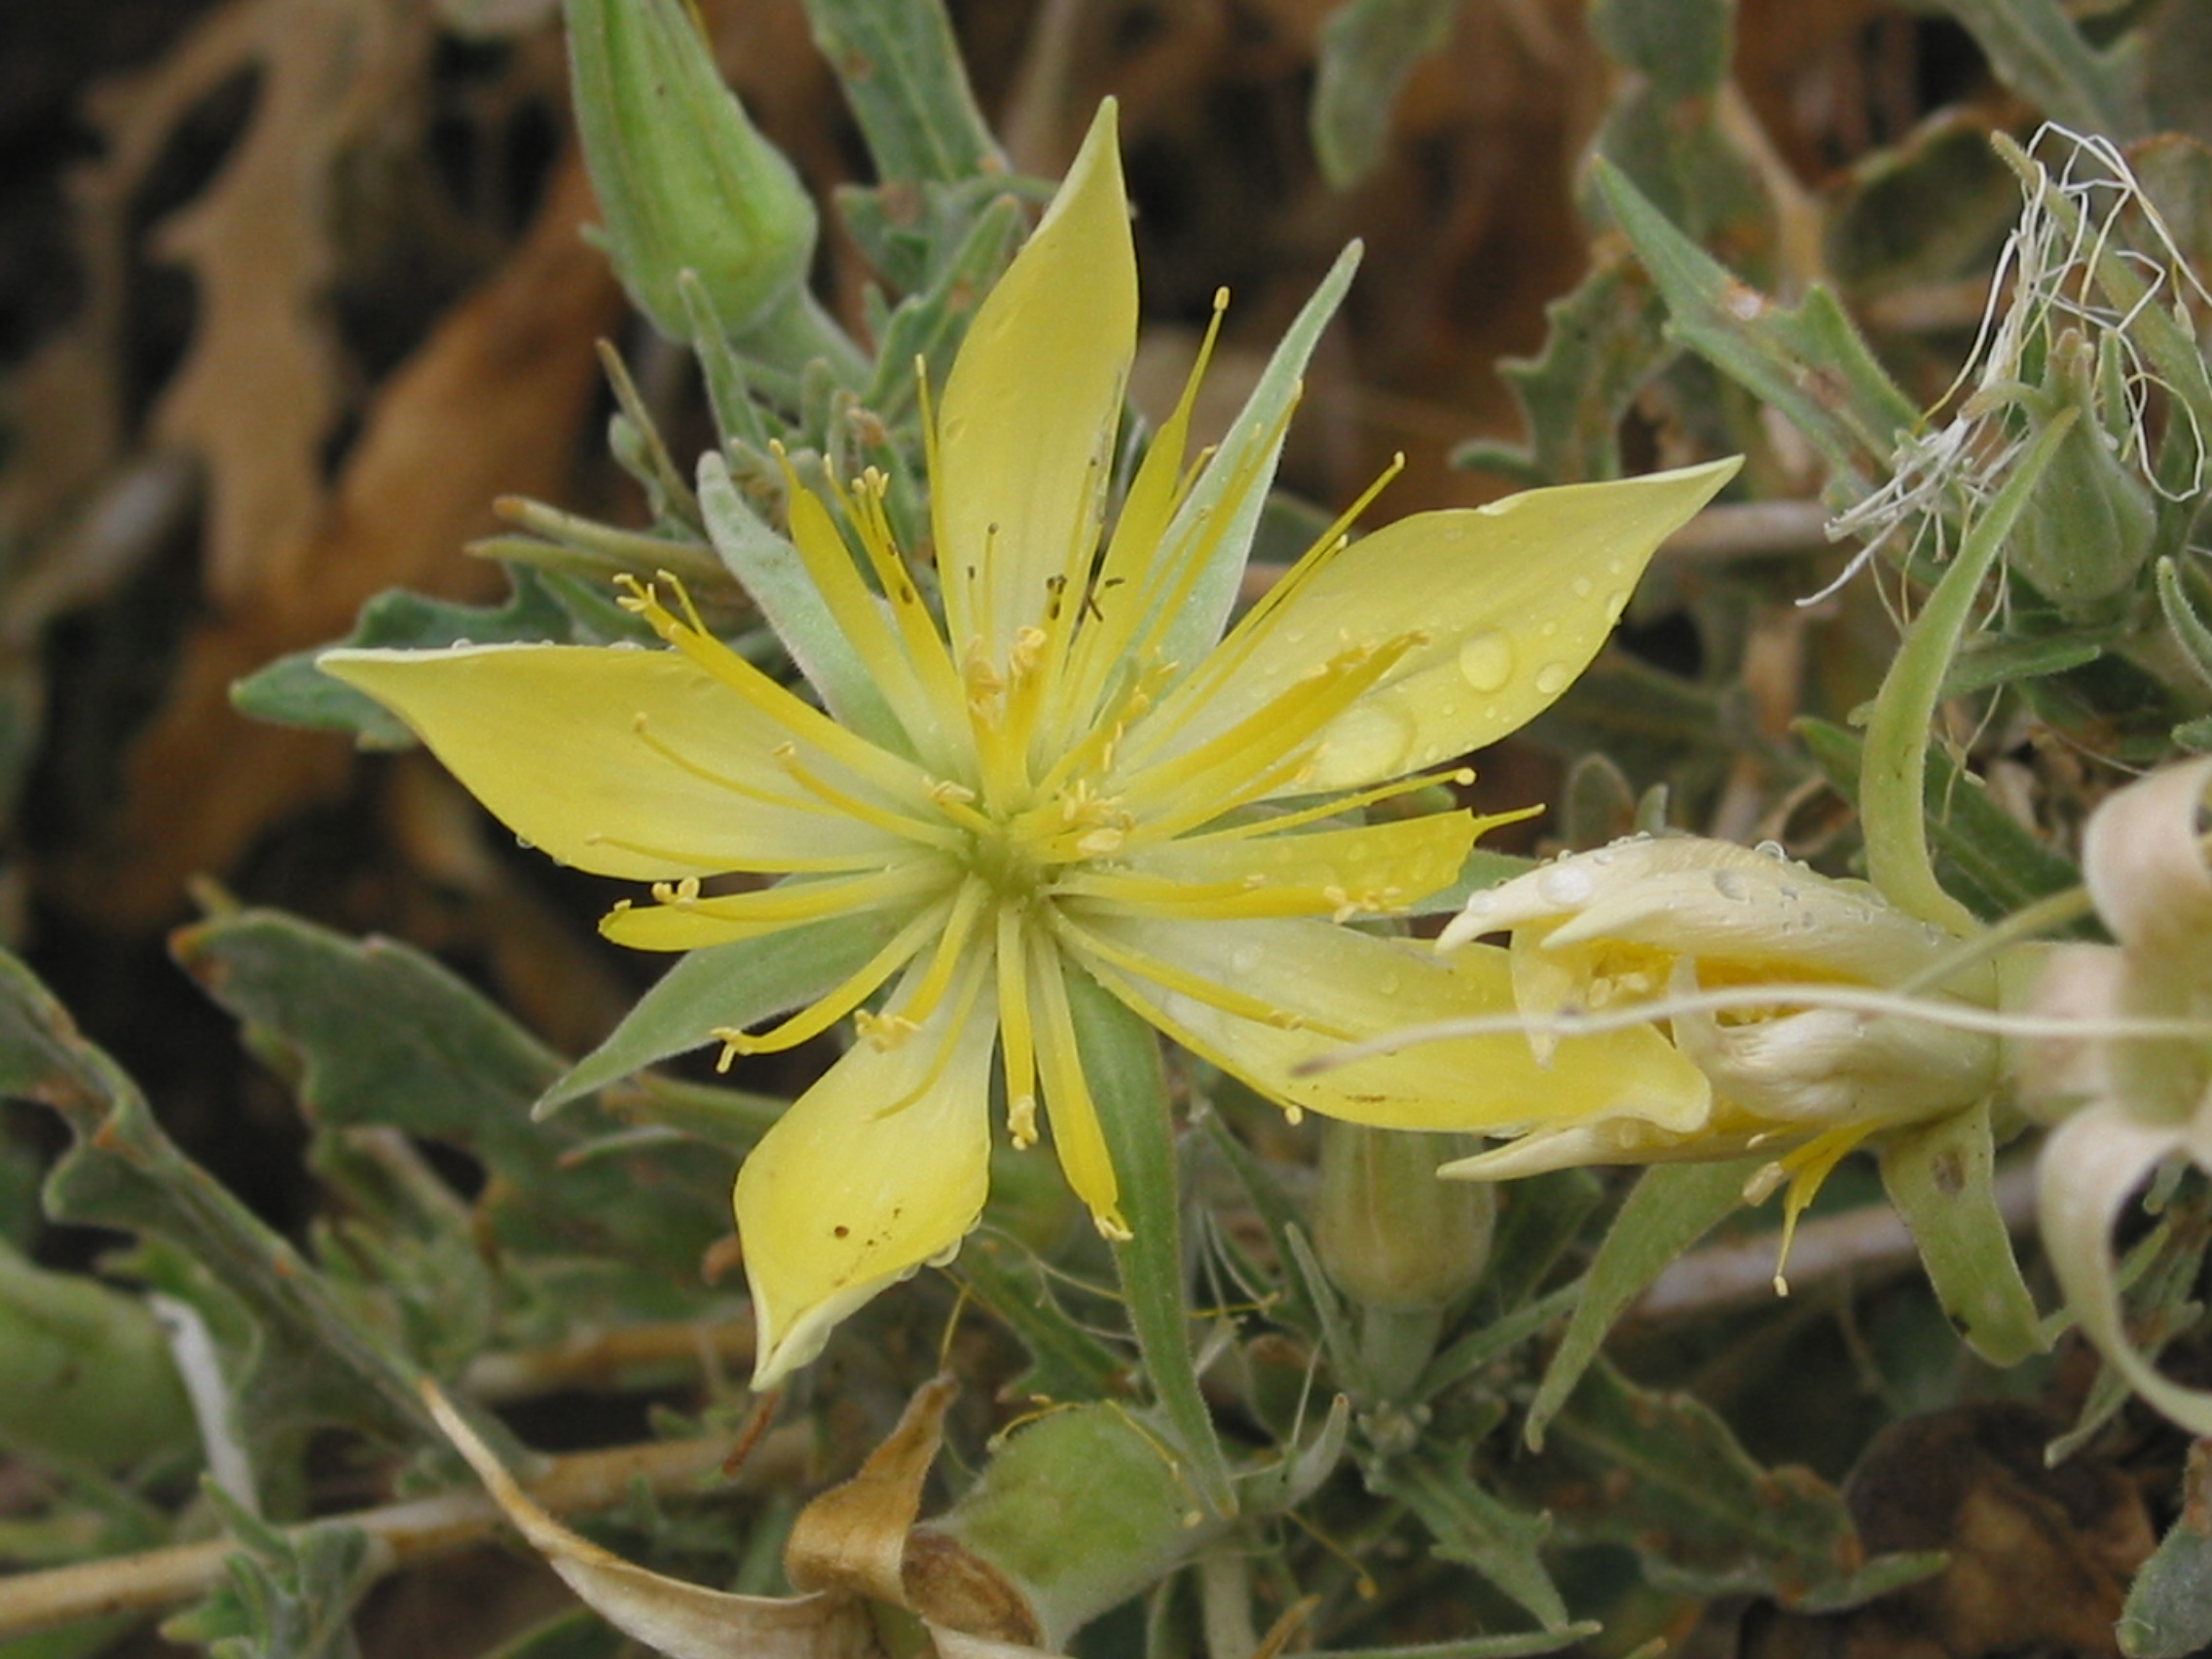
x,y
1371,868
623,762
1025,432
881,1166
1347,980
1513,599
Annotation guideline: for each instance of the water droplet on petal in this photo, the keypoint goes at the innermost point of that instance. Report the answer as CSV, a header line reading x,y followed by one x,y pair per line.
x,y
1616,602
1564,885
1730,885
1244,958
1368,740
1486,661
1583,588
1551,679
1771,849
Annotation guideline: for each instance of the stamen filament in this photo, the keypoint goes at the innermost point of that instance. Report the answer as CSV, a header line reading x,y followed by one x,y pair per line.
x,y
834,1005
941,836
1076,1136
1017,1048
1091,949
803,723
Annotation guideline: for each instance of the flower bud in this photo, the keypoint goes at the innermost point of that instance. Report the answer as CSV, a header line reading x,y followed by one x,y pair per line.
x,y
2089,527
1390,1233
85,1377
683,180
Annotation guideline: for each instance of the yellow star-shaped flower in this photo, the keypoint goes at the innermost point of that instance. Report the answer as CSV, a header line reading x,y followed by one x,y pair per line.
x,y
1073,773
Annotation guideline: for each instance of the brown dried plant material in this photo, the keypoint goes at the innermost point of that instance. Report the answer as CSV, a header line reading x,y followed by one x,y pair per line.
x,y
2040,1558
489,403
262,385
852,1553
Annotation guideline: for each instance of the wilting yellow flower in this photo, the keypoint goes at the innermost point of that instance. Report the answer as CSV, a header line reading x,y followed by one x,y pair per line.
x,y
1669,919
1067,776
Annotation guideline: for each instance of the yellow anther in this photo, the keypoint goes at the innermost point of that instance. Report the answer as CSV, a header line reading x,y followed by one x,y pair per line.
x,y
884,1030
1022,1121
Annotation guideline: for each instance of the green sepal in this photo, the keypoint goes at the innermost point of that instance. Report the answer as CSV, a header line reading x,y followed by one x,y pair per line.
x,y
1672,1206
1942,1177
770,570
1122,1065
1253,442
1986,854
721,985
1894,766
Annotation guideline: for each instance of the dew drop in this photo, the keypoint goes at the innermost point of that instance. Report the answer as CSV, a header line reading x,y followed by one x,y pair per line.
x,y
1486,661
1551,679
1388,985
1771,849
1244,958
1368,740
1564,885
1614,566
1730,885
1490,712
1616,602
1582,586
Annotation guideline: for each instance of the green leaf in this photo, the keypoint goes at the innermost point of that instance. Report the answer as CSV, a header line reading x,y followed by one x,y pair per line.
x,y
293,691
1471,1526
1682,46
1672,1207
384,1036
308,1361
1942,1177
902,76
2169,1606
1809,362
1659,1473
1121,1062
1368,49
2039,52
1603,341
726,986
290,1595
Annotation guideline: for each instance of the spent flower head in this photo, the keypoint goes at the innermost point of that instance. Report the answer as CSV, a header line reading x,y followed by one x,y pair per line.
x,y
1069,772
1755,963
